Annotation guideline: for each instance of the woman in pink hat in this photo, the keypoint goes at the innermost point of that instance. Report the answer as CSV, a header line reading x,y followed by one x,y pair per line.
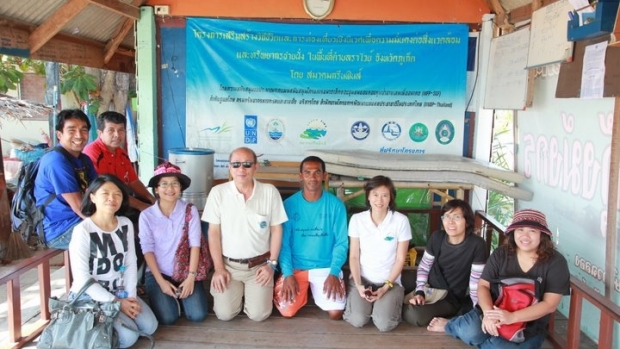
x,y
528,254
161,230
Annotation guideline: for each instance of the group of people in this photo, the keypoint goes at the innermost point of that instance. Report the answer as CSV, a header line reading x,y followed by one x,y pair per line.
x,y
254,236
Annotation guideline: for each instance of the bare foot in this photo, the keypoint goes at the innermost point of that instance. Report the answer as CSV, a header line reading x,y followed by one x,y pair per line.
x,y
438,324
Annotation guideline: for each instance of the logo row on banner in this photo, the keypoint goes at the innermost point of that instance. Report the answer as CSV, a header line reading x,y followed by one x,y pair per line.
x,y
317,132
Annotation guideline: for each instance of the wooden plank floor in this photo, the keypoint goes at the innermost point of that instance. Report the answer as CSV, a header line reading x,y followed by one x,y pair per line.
x,y
311,328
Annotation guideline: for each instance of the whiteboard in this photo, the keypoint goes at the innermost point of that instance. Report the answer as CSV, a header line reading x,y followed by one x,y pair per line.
x,y
507,77
548,39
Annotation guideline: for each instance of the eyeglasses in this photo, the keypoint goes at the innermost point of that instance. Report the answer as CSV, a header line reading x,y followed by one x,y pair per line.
x,y
169,185
245,164
453,218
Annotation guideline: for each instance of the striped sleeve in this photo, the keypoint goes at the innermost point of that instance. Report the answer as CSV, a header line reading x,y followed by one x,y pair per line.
x,y
474,277
423,269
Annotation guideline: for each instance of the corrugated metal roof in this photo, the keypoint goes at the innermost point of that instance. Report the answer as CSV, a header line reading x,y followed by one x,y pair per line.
x,y
93,22
30,11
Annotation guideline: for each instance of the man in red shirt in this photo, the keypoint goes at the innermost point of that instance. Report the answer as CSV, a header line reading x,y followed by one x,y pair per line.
x,y
108,156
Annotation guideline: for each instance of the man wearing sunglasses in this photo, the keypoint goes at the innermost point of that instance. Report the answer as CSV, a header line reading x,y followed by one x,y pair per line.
x,y
314,246
245,233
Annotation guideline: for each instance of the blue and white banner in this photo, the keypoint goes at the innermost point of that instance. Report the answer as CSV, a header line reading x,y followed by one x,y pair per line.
x,y
281,89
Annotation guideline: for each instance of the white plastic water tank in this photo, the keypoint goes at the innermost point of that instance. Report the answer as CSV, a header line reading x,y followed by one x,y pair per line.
x,y
197,164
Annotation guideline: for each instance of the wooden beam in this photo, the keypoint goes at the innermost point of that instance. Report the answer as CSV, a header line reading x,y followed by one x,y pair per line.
x,y
615,35
524,12
123,30
451,11
63,48
55,23
116,6
501,18
531,74
112,45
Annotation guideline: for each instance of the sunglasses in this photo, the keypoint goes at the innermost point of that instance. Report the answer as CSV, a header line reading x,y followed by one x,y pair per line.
x,y
245,164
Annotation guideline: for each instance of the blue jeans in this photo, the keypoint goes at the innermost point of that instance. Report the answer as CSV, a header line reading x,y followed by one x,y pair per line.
x,y
61,242
145,322
168,310
468,328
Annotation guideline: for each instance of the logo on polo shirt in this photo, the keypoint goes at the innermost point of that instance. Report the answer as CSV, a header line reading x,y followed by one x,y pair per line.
x,y
263,224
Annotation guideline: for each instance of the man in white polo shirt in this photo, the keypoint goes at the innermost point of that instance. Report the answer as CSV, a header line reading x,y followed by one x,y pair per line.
x,y
245,233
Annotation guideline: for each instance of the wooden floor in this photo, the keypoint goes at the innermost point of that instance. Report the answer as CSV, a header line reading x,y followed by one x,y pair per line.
x,y
311,328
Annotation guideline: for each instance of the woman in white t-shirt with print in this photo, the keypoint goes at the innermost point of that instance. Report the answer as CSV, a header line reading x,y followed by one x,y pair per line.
x,y
102,248
379,240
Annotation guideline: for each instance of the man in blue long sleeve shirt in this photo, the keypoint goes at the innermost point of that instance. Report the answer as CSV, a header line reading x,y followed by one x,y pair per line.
x,y
314,246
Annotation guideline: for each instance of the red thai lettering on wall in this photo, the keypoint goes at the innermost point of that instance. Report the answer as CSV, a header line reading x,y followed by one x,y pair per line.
x,y
568,163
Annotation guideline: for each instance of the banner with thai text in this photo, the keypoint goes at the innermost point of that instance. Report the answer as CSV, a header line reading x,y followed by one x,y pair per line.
x,y
565,152
281,89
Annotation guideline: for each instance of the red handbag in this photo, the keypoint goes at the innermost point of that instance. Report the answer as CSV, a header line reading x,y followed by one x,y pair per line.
x,y
515,294
181,256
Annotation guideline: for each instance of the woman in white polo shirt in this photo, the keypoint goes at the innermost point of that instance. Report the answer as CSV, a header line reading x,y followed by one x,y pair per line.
x,y
379,239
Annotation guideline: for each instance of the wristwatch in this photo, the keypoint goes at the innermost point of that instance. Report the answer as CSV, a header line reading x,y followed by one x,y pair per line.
x,y
273,263
192,273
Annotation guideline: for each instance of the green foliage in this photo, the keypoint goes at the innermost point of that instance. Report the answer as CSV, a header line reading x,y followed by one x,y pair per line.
x,y
12,71
419,228
81,85
499,206
29,65
10,75
74,79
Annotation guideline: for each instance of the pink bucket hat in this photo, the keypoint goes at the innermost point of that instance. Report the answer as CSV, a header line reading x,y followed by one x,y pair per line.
x,y
529,219
166,170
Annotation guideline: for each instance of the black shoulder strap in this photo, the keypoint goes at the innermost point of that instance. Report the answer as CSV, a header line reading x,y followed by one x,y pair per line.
x,y
99,158
68,156
83,158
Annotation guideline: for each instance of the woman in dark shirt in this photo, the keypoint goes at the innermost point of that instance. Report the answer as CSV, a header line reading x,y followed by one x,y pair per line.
x,y
528,253
453,261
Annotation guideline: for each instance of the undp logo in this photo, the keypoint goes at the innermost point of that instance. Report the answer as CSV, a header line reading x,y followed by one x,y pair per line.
x,y
391,130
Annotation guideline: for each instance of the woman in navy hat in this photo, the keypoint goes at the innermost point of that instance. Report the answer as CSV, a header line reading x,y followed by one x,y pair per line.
x,y
161,230
528,253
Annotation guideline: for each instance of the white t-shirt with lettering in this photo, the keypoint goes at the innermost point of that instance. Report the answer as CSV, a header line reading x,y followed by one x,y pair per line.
x,y
99,255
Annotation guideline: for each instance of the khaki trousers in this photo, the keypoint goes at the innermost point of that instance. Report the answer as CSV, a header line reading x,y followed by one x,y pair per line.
x,y
258,302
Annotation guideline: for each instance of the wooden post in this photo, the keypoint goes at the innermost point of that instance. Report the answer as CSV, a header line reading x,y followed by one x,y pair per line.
x,y
5,217
611,238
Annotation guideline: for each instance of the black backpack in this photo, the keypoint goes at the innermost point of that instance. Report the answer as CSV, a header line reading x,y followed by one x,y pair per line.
x,y
26,216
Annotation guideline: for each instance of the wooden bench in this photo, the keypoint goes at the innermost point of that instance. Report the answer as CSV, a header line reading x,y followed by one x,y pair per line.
x,y
10,276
